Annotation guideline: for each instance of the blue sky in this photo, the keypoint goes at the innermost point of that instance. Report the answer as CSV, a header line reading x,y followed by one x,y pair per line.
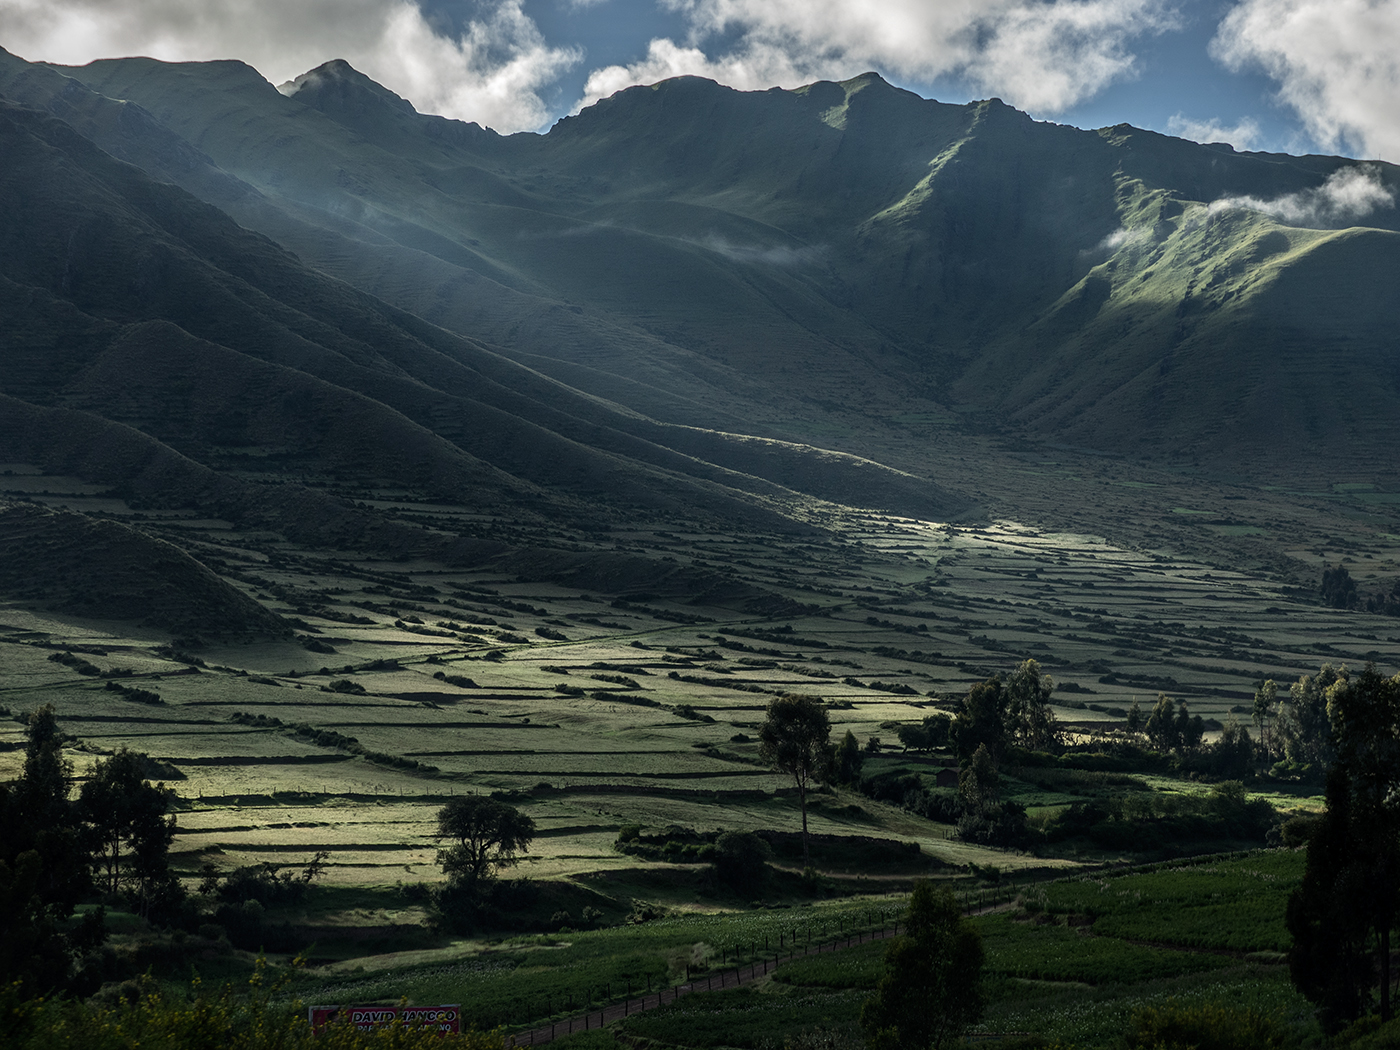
x,y
1283,75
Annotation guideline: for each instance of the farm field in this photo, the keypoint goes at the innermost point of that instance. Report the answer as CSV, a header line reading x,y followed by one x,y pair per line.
x,y
409,682
1065,975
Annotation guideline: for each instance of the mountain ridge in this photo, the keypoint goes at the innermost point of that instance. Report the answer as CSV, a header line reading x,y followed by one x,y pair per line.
x,y
683,303
890,249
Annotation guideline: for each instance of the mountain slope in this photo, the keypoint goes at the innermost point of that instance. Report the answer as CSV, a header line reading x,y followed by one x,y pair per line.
x,y
292,361
819,261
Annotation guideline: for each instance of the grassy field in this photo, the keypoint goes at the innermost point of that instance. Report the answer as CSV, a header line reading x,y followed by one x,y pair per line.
x,y
1077,983
602,712
407,684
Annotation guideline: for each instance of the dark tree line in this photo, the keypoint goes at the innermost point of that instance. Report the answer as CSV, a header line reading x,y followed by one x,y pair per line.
x,y
1339,590
1342,917
58,851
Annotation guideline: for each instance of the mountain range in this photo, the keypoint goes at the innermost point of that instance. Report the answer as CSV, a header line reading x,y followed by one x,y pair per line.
x,y
685,303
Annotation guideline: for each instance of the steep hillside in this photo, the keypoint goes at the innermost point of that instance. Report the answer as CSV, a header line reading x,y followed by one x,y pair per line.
x,y
221,344
107,570
812,264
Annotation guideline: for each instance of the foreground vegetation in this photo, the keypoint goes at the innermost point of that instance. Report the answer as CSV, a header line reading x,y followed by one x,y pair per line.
x,y
1064,960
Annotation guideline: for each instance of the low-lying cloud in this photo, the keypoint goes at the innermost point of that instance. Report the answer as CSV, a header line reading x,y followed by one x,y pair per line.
x,y
1245,135
1123,237
1040,55
1337,63
494,72
757,255
1349,194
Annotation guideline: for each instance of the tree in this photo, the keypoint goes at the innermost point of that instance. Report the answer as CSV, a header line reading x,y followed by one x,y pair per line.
x,y
1342,915
1172,728
933,732
1265,703
1189,730
847,759
979,785
1338,589
1303,727
1160,726
1030,721
931,990
129,829
793,740
488,834
44,871
1233,754
741,859
981,720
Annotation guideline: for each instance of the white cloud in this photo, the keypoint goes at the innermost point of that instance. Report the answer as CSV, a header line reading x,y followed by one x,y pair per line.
x,y
1243,136
1337,63
493,73
1040,55
1124,237
1349,194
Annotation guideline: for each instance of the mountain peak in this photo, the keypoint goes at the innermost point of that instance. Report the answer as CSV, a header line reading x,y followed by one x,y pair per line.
x,y
339,85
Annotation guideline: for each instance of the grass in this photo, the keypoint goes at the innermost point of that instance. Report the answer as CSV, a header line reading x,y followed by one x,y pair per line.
x,y
1059,953
528,979
745,1017
1079,985
1226,904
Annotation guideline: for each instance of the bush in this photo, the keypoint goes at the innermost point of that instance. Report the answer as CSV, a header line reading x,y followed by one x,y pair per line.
x,y
1203,1027
203,1020
741,859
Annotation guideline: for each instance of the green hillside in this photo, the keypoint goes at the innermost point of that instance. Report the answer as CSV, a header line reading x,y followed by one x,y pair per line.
x,y
787,262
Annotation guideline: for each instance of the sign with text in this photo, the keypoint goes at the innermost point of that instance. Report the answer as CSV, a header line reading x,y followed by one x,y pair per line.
x,y
444,1019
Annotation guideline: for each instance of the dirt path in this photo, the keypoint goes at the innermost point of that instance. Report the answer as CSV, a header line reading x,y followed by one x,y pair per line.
x,y
713,983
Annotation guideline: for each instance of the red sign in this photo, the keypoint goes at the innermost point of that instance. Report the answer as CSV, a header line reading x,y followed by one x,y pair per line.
x,y
444,1019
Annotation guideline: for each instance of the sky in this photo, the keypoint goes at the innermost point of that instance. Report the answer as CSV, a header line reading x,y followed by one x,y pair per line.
x,y
1296,76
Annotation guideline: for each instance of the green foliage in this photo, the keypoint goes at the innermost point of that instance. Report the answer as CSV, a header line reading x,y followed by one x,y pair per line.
x,y
1218,903
1342,916
1142,822
847,759
741,860
935,731
1061,953
129,829
858,967
742,1018
981,720
931,989
488,834
1204,1026
794,740
1030,721
1304,731
979,785
267,883
1016,712
1338,589
1369,1033
252,1018
45,870
1171,728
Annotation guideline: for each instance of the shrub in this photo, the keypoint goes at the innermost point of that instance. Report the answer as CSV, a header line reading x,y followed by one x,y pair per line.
x,y
1207,1026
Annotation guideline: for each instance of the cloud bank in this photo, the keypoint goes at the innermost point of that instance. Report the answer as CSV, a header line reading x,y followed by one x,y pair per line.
x,y
493,73
1348,194
1337,63
1040,55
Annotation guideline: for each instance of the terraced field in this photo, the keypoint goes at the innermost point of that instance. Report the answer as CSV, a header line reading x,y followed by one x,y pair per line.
x,y
406,683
